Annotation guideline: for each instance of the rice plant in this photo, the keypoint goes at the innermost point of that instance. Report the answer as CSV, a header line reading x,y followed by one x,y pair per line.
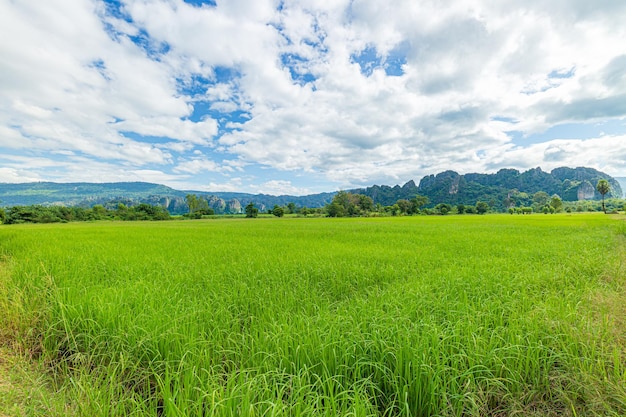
x,y
411,316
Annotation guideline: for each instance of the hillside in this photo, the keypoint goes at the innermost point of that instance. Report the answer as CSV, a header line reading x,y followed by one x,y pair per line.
x,y
132,193
506,187
622,183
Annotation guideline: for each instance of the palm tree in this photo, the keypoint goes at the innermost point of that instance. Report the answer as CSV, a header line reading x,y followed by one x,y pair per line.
x,y
603,187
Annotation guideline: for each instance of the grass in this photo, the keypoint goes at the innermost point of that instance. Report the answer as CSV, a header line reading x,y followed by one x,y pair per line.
x,y
415,316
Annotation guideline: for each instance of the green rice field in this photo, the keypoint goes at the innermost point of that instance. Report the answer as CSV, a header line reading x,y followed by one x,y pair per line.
x,y
491,315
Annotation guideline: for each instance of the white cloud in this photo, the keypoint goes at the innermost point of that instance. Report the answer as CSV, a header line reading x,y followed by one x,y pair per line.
x,y
12,175
76,81
200,133
281,187
195,166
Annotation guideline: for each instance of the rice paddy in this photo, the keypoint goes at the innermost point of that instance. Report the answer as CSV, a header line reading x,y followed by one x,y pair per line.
x,y
411,316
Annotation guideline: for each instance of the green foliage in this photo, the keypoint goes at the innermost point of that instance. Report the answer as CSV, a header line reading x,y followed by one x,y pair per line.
x,y
556,203
335,209
540,198
192,202
278,211
61,214
457,320
198,206
507,188
251,210
443,208
348,204
418,202
403,206
603,188
482,207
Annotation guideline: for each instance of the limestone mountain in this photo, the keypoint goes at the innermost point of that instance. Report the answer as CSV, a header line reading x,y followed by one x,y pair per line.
x,y
505,188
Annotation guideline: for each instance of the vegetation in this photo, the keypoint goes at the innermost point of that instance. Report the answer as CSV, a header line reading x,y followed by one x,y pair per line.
x,y
500,191
394,316
278,211
109,195
251,210
61,214
603,188
505,189
198,206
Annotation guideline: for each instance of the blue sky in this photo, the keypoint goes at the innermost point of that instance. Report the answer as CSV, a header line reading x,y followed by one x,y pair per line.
x,y
299,97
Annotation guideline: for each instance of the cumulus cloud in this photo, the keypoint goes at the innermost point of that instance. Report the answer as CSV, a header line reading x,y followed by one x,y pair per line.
x,y
281,187
198,165
347,92
12,175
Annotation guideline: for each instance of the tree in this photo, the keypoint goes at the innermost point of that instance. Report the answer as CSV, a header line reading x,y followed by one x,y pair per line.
x,y
481,207
365,203
192,202
203,207
404,205
122,211
541,198
556,203
395,209
348,204
443,208
98,212
278,211
251,211
335,209
292,208
417,203
603,188
2,215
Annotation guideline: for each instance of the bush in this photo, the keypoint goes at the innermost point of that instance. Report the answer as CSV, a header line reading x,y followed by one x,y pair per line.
x,y
481,207
278,211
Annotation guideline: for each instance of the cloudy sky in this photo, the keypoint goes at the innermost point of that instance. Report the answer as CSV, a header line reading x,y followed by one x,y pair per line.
x,y
303,96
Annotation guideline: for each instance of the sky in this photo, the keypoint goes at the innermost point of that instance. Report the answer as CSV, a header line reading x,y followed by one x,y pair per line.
x,y
299,97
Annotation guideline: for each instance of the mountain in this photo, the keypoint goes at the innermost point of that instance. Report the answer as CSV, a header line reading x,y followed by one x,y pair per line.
x,y
504,188
622,182
132,193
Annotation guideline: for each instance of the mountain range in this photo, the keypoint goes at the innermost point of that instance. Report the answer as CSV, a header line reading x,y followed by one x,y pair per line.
x,y
505,188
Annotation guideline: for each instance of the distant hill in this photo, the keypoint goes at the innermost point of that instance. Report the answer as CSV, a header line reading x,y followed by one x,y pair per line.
x,y
506,187
132,193
622,182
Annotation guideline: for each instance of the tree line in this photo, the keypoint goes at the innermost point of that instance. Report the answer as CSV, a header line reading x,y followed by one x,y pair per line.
x,y
63,214
343,204
352,204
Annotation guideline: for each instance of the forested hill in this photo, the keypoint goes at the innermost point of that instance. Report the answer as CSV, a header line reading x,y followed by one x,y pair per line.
x,y
507,185
133,193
